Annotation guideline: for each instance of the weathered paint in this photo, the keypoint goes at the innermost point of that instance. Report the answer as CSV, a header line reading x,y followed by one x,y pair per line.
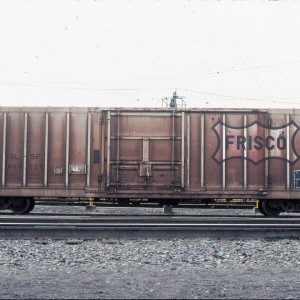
x,y
149,153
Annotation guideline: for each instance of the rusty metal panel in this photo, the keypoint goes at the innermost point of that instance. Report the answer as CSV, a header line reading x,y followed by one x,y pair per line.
x,y
146,125
78,150
294,149
254,150
234,134
130,150
96,151
163,150
213,152
14,146
144,150
256,155
234,151
148,152
51,148
35,149
57,149
2,147
195,151
276,148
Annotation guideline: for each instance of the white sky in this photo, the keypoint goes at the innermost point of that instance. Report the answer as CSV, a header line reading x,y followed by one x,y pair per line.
x,y
243,54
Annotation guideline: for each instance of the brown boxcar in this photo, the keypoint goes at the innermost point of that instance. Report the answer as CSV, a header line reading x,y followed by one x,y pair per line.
x,y
155,154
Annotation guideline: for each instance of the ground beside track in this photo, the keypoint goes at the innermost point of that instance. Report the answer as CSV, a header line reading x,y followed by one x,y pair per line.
x,y
132,269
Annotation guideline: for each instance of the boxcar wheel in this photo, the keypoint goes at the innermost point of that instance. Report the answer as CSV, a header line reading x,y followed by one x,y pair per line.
x,y
269,209
20,205
260,208
31,206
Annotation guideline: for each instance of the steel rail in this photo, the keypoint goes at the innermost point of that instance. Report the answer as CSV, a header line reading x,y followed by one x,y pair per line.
x,y
154,227
144,219
181,226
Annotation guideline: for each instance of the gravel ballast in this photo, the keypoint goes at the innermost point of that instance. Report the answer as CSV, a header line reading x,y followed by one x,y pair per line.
x,y
149,268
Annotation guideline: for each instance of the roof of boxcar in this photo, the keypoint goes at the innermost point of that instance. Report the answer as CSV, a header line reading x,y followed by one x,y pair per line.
x,y
132,109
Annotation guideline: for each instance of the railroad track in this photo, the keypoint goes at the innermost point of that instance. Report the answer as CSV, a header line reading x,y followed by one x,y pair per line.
x,y
145,226
209,205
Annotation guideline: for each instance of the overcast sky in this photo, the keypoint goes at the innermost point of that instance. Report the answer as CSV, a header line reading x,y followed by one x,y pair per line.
x,y
242,54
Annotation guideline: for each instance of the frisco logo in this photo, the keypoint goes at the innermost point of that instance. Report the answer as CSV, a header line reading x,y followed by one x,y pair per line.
x,y
256,143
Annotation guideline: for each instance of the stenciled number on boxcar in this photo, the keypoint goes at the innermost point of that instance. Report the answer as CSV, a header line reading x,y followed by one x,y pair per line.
x,y
16,161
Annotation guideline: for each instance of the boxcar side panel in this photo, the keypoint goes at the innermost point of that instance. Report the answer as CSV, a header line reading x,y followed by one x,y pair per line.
x,y
213,139
234,168
150,153
57,149
294,168
78,167
277,148
195,151
14,169
145,150
35,162
255,171
96,151
3,117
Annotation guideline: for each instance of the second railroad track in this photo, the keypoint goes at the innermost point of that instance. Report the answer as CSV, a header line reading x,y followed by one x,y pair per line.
x,y
153,226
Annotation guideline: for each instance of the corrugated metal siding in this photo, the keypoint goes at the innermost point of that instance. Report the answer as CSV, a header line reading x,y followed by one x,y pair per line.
x,y
89,151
